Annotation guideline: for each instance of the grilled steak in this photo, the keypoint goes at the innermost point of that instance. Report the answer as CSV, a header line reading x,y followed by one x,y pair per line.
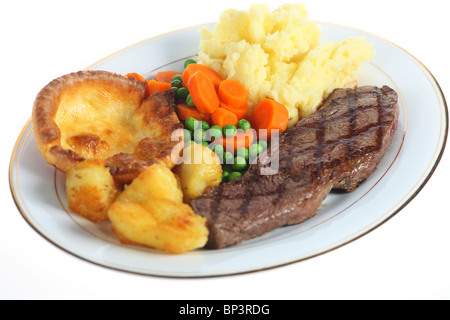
x,y
336,148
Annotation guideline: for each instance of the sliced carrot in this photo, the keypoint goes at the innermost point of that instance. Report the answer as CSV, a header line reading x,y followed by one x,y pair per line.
x,y
156,86
240,140
269,115
203,93
233,93
222,117
192,68
240,112
166,76
184,112
136,76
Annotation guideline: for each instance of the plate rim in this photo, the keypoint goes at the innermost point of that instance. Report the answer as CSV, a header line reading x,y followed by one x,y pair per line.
x,y
403,203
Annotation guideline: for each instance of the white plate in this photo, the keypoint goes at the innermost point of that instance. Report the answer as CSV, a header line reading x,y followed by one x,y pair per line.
x,y
408,164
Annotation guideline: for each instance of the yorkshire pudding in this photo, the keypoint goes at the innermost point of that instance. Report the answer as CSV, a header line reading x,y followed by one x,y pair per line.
x,y
103,115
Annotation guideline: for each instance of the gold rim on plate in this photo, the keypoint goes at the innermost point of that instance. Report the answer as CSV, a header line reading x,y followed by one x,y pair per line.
x,y
413,192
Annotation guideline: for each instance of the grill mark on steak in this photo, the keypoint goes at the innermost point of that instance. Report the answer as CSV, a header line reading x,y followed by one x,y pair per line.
x,y
336,148
352,109
320,136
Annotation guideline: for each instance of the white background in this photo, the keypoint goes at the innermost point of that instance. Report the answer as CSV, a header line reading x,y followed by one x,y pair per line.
x,y
406,258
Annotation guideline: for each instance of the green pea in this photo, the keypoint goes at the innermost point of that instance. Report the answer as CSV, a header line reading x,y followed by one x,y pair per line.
x,y
228,158
176,83
199,135
191,123
205,143
255,150
229,130
263,144
182,93
188,135
239,164
188,62
243,153
244,125
191,132
215,132
174,106
225,176
175,90
205,125
220,155
234,175
177,77
189,101
218,149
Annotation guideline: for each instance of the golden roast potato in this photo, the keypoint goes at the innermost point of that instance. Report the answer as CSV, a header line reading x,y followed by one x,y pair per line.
x,y
159,223
102,115
199,170
157,181
150,212
90,189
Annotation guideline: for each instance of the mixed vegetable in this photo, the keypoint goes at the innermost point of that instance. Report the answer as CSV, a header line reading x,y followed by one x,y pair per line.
x,y
215,113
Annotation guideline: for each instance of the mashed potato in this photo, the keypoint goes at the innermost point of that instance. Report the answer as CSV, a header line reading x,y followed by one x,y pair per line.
x,y
278,55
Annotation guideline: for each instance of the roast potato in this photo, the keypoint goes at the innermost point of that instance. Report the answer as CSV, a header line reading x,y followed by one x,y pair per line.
x,y
159,223
90,189
200,169
150,211
157,181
